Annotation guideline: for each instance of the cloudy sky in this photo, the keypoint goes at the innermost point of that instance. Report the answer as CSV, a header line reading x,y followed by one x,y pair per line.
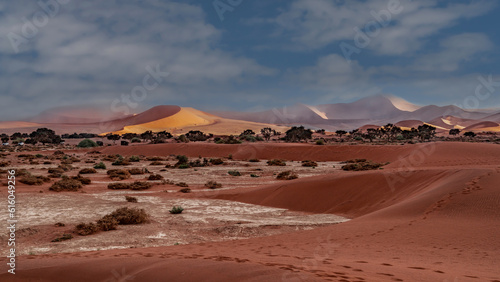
x,y
244,54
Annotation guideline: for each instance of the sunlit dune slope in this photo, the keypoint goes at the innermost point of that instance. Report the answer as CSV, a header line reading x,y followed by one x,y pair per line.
x,y
187,119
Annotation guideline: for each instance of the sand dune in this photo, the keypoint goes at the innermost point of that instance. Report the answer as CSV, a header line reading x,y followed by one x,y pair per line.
x,y
439,222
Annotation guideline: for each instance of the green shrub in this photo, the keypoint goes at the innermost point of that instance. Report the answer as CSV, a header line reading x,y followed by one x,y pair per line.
x,y
87,171
176,210
134,159
183,166
87,143
276,163
320,142
213,184
135,140
234,173
100,165
287,175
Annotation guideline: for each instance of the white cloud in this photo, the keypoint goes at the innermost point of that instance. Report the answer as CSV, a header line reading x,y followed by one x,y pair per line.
x,y
314,24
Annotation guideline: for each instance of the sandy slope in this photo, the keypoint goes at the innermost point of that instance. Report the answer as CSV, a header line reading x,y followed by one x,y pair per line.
x,y
438,222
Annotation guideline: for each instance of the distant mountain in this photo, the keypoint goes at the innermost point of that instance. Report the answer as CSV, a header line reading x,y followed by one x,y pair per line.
x,y
374,110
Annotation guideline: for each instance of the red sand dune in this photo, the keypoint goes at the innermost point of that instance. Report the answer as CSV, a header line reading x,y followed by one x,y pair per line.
x,y
431,215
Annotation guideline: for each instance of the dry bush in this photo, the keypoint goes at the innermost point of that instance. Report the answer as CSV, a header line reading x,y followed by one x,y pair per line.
x,y
120,161
131,199
360,165
234,173
309,163
107,223
140,185
156,163
276,163
155,177
287,175
34,179
216,161
118,186
254,160
85,229
87,171
176,210
185,190
125,216
83,180
213,184
154,159
136,171
66,184
4,164
182,184
64,237
118,174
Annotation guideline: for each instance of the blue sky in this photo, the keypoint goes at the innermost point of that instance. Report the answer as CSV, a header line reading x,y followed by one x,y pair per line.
x,y
243,54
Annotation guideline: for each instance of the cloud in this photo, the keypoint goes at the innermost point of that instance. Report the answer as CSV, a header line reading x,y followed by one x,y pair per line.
x,y
95,50
315,24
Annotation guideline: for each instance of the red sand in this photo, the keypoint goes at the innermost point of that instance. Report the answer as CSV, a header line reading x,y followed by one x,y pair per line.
x,y
429,219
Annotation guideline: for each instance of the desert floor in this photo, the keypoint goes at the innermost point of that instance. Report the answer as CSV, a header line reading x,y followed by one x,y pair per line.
x,y
431,214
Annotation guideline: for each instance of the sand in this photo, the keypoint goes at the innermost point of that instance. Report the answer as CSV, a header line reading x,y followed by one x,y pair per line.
x,y
430,215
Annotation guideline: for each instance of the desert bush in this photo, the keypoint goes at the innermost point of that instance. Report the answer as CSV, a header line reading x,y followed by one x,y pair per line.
x,y
183,166
85,229
58,152
126,216
320,142
213,184
87,143
135,140
155,177
4,164
87,171
107,223
55,172
34,179
59,224
309,163
254,160
181,159
216,161
136,171
131,199
83,180
254,175
182,184
176,210
155,158
118,186
185,190
276,163
134,159
156,163
358,166
234,173
64,237
118,174
356,161
100,165
66,184
120,161
140,185
287,175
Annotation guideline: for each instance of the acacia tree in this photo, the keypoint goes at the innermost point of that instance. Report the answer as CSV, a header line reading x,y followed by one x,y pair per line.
x,y
147,135
470,134
296,134
266,133
113,137
340,133
454,131
426,132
